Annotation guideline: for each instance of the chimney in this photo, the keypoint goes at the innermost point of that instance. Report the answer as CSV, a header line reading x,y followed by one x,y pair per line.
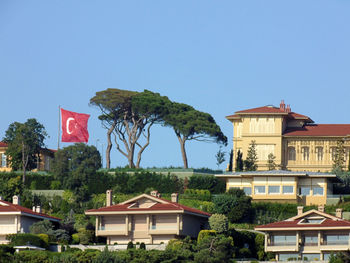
x,y
282,105
154,193
288,109
159,195
16,200
300,210
1,198
33,208
108,197
174,197
339,212
38,209
321,208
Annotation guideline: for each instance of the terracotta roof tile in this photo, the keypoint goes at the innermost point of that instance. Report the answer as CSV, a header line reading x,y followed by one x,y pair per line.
x,y
17,208
320,130
294,224
157,207
264,109
3,144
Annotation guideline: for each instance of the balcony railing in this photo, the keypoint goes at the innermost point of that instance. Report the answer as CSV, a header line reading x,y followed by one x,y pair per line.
x,y
163,227
340,242
311,244
275,244
112,228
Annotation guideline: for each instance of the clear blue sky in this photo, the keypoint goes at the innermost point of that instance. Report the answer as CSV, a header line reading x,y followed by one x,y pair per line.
x,y
218,56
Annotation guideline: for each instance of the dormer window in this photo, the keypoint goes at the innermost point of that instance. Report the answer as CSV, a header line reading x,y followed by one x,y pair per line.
x,y
312,220
134,205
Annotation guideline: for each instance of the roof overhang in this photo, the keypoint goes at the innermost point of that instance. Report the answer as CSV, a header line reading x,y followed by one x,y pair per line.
x,y
263,229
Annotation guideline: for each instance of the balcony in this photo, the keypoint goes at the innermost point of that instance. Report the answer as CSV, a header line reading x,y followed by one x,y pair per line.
x,y
111,230
279,244
8,229
163,229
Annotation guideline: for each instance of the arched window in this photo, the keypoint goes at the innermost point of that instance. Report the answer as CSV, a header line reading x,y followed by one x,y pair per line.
x,y
291,153
319,153
305,153
333,153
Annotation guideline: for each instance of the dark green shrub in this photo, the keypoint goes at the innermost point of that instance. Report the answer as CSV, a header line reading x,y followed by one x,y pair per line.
x,y
204,234
130,245
142,246
207,182
25,239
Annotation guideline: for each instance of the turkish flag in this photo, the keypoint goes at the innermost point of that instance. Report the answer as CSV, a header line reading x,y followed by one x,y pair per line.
x,y
74,126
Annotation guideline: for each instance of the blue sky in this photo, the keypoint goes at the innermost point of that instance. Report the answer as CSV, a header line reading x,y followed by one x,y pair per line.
x,y
218,56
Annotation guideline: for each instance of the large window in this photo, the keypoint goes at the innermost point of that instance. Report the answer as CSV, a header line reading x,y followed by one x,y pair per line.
x,y
288,189
333,239
304,190
310,240
3,160
274,189
284,240
333,153
305,153
259,190
247,190
319,153
291,153
317,190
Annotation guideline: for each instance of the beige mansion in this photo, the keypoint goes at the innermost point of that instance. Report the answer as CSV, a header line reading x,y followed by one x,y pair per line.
x,y
294,139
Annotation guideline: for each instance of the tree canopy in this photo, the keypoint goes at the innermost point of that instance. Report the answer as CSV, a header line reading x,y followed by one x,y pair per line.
x,y
24,143
191,124
129,116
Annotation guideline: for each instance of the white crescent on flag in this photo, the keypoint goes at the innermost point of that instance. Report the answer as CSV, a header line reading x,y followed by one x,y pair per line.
x,y
67,125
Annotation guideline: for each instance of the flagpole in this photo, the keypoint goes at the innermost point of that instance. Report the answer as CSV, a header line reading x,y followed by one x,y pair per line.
x,y
59,128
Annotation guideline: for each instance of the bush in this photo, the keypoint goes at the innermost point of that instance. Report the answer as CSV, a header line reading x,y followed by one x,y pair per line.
x,y
142,246
130,245
45,238
219,223
207,182
24,239
41,227
75,239
203,195
55,185
32,256
204,234
85,236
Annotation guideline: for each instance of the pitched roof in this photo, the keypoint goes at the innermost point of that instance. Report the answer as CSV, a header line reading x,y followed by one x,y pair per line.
x,y
161,205
270,110
296,222
3,144
10,207
320,130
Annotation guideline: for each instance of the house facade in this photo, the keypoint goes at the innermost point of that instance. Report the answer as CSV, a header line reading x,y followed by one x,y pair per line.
x,y
147,218
294,139
307,188
15,218
313,235
44,160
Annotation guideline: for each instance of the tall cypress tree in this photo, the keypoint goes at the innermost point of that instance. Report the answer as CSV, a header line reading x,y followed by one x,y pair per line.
x,y
239,162
230,165
252,158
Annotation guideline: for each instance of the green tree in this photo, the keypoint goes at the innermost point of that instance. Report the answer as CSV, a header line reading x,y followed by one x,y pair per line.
x,y
129,115
339,157
235,205
239,162
271,165
24,143
191,124
219,223
230,165
220,157
75,166
252,158
41,227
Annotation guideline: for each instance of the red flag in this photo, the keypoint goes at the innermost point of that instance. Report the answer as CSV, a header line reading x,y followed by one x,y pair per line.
x,y
74,126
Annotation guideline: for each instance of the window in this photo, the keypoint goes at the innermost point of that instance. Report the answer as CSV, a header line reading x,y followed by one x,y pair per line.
x,y
311,221
3,160
154,224
311,240
247,190
259,189
284,240
274,189
291,153
312,257
288,189
317,190
333,239
305,153
333,153
285,257
304,190
319,153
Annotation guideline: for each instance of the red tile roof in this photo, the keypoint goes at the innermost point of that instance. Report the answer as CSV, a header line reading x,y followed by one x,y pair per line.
x,y
294,224
3,144
320,130
17,208
157,207
264,109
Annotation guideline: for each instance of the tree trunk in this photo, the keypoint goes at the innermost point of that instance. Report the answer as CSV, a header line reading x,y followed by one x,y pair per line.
x,y
131,156
109,146
24,163
183,150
